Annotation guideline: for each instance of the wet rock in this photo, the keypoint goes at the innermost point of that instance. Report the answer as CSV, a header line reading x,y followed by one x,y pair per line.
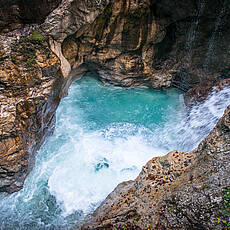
x,y
71,16
156,44
30,89
34,75
126,43
115,46
201,92
176,191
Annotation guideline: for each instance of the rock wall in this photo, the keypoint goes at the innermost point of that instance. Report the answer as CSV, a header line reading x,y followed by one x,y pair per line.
x,y
33,77
30,90
155,43
14,14
176,191
46,44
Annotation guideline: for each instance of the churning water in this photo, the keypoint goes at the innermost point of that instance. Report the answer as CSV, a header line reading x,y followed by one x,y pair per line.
x,y
103,136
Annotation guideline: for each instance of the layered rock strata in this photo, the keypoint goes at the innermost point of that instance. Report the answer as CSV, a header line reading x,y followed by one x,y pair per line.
x,y
176,191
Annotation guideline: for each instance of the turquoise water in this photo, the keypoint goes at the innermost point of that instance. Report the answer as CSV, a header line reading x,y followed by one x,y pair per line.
x,y
103,136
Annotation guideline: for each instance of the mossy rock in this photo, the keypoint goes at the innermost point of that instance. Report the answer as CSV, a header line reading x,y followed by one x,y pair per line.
x,y
37,36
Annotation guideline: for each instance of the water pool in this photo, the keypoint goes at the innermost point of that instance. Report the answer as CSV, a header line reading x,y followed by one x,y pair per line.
x,y
103,136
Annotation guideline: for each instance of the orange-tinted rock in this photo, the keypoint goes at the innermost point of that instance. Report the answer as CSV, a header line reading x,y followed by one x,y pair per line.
x,y
30,88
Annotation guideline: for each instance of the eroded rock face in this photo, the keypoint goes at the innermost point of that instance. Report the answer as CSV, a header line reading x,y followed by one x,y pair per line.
x,y
70,16
177,191
154,43
126,42
30,90
33,77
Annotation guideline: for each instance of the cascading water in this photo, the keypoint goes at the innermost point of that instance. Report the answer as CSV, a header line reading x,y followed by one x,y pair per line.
x,y
103,136
211,44
191,35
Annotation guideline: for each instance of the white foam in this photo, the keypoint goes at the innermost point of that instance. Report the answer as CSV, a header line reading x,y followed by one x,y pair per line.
x,y
77,184
125,148
82,163
191,126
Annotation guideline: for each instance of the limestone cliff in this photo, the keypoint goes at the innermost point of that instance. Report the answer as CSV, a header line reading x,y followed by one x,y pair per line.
x,y
46,44
30,89
154,43
33,76
177,191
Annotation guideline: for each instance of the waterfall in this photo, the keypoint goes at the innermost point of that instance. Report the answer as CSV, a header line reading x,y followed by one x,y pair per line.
x,y
103,136
193,29
211,44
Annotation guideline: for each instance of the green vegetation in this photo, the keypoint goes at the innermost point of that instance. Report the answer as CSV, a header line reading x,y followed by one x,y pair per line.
x,y
227,201
13,59
25,51
30,61
37,36
226,211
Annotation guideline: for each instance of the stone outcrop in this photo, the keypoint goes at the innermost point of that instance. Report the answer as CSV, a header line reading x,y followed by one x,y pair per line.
x,y
34,75
30,91
46,44
70,17
176,191
14,14
200,93
154,43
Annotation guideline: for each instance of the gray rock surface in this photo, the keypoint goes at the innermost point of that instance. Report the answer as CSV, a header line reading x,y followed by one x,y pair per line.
x,y
176,191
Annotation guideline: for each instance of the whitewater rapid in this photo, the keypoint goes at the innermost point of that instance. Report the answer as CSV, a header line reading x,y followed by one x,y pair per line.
x,y
103,136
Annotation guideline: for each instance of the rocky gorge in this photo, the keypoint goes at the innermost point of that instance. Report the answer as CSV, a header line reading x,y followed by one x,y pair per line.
x,y
46,45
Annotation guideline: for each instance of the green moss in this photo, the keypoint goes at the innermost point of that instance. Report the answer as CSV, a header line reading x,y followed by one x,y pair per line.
x,y
30,61
227,201
37,36
13,59
126,27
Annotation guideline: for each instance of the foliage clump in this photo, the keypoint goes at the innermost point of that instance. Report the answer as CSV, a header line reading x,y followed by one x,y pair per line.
x,y
225,219
37,36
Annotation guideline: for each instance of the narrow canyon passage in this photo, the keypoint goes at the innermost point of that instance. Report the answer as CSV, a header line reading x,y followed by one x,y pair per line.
x,y
103,136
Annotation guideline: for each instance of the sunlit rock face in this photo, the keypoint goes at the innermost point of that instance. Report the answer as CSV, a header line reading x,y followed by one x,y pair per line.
x,y
46,44
30,84
32,78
